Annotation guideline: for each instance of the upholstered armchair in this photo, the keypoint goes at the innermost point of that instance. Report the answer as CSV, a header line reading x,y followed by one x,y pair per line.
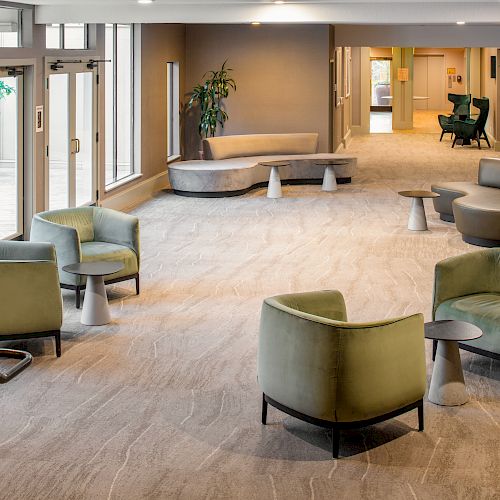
x,y
315,365
461,107
467,288
473,130
30,297
89,234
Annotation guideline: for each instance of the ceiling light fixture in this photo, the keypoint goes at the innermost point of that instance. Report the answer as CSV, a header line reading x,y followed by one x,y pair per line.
x,y
145,1
255,23
461,23
279,2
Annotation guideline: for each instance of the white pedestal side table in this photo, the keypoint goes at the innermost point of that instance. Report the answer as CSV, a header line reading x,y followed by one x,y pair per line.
x,y
95,309
447,383
329,178
274,185
417,220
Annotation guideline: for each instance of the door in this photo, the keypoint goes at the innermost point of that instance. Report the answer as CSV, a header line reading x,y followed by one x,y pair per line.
x,y
72,134
11,153
429,81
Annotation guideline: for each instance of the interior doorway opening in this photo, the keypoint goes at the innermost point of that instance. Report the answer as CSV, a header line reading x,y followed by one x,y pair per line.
x,y
380,95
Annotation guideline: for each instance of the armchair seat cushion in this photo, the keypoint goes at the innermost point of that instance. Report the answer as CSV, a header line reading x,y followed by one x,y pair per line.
x,y
97,250
482,310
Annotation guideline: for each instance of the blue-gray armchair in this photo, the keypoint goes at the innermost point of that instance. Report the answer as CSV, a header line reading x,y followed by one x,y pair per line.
x,y
89,234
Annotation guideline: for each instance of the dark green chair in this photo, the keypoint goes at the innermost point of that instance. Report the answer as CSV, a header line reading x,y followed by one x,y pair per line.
x,y
461,107
473,130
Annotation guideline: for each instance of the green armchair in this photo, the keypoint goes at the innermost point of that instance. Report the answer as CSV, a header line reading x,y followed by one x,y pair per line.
x,y
461,106
315,365
89,234
30,297
473,130
467,288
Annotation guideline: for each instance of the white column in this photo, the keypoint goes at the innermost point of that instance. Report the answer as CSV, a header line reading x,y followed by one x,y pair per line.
x,y
95,303
447,383
329,179
417,220
274,186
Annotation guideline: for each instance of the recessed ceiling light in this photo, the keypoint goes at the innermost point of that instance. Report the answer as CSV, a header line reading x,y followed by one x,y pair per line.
x,y
255,23
145,1
279,2
461,22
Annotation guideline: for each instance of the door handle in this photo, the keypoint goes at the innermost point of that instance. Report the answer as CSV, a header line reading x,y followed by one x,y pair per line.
x,y
77,146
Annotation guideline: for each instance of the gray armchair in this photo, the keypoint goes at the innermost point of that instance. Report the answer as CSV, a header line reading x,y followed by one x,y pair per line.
x,y
30,297
90,234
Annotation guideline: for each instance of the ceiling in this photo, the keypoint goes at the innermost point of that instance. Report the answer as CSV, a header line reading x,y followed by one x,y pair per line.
x,y
265,11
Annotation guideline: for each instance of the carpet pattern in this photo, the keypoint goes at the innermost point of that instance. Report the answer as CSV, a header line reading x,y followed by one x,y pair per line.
x,y
164,401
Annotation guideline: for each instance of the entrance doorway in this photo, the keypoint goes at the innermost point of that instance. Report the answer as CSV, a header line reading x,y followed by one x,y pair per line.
x,y
72,134
381,95
11,153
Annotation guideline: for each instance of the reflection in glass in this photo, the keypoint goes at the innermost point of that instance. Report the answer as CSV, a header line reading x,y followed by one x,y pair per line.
x,y
9,167
58,141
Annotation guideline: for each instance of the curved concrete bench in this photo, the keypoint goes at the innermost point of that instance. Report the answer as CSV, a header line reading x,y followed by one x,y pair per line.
x,y
474,207
224,173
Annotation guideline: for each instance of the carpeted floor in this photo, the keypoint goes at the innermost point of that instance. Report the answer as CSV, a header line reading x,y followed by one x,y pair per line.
x,y
164,402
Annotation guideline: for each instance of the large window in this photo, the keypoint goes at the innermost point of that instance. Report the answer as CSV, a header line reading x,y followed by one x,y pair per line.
x,y
10,23
173,143
119,102
11,161
66,36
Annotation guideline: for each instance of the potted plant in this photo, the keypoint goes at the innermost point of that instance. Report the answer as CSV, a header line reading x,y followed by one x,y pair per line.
x,y
208,96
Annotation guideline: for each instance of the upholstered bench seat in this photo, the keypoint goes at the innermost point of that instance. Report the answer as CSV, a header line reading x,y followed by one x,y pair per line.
x,y
475,208
222,174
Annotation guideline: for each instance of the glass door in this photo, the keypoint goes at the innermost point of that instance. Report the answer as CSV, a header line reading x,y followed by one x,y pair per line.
x,y
11,153
72,138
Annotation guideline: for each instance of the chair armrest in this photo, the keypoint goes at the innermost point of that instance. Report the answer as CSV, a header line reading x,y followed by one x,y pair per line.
x,y
381,367
25,250
465,274
112,226
64,238
30,297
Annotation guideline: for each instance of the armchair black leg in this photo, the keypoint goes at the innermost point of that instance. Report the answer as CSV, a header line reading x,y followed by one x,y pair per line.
x,y
264,409
421,416
58,344
454,141
486,139
137,286
434,349
441,138
77,297
335,443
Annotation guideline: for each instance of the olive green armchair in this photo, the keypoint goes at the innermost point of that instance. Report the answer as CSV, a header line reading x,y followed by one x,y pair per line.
x,y
467,288
30,297
89,234
315,365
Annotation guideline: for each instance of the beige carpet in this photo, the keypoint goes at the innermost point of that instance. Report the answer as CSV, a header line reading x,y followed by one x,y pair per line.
x,y
164,402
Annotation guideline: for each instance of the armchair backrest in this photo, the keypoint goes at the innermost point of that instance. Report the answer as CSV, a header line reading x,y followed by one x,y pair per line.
x,y
82,219
489,172
483,105
461,103
334,370
26,251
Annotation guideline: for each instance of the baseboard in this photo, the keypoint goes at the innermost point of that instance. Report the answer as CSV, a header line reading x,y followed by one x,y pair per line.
x,y
137,193
359,130
347,139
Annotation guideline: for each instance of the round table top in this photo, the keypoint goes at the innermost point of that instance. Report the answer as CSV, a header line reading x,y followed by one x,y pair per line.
x,y
331,162
418,194
98,268
451,330
276,163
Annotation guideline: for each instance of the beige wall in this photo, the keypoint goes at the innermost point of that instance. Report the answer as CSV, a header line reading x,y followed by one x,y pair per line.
x,y
381,52
489,89
282,76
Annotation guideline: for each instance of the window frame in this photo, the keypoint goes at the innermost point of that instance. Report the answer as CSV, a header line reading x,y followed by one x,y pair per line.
x,y
62,37
173,109
133,174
